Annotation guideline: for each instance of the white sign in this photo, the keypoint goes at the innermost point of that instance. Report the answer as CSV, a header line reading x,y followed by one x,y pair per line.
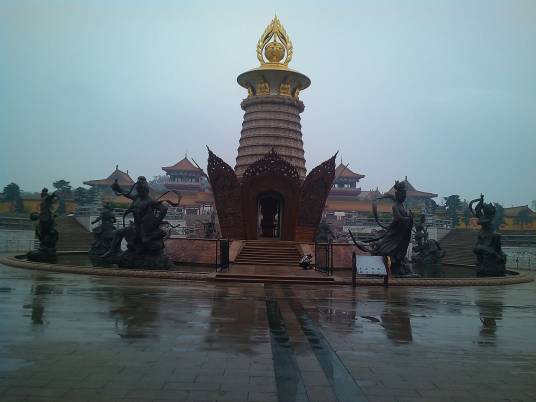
x,y
370,265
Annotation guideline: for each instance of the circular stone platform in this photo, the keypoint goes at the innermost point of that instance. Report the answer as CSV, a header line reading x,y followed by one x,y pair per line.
x,y
12,261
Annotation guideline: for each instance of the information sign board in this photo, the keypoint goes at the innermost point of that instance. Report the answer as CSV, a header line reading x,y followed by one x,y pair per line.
x,y
370,265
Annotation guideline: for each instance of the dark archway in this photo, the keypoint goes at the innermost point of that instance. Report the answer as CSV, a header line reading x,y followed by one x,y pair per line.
x,y
271,175
270,208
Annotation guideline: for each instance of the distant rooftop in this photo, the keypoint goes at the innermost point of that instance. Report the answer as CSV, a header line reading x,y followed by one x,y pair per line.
x,y
413,192
123,179
344,171
183,165
512,212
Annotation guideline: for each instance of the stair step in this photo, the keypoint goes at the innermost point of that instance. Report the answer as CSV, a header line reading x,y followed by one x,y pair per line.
x,y
266,263
275,250
266,258
275,279
289,277
264,255
281,261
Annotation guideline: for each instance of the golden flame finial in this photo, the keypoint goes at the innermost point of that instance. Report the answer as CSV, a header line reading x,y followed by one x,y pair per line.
x,y
274,46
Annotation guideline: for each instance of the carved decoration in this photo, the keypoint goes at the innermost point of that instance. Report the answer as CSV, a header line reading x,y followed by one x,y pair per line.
x,y
236,201
314,193
226,190
263,89
275,44
284,89
272,164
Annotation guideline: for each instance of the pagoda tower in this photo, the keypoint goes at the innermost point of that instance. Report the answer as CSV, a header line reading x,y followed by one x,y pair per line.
x,y
272,108
268,194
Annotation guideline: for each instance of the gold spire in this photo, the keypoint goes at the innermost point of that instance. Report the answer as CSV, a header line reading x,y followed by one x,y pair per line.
x,y
274,46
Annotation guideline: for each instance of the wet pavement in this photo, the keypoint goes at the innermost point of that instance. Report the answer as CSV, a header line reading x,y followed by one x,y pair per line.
x,y
70,337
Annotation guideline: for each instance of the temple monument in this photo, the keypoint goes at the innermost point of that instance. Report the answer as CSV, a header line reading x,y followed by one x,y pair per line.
x,y
268,195
272,108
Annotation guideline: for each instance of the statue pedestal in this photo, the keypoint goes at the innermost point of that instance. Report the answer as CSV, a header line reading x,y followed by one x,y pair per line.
x,y
133,260
42,256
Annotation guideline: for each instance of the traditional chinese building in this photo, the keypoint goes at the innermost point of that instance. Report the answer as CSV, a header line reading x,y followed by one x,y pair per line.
x,y
415,199
123,179
346,182
184,177
268,194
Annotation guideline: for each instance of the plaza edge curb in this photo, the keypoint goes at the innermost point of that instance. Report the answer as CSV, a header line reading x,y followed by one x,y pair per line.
x,y
175,275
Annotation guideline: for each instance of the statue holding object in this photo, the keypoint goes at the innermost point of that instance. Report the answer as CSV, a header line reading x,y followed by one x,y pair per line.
x,y
104,233
491,260
46,229
145,238
393,243
426,251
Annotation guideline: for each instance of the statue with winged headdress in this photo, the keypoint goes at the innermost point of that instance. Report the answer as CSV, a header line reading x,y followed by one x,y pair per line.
x,y
145,238
491,260
394,241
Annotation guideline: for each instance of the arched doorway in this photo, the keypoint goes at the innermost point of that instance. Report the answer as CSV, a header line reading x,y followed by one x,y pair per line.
x,y
269,215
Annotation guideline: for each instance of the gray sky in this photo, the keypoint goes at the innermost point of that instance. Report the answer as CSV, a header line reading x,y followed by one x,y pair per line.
x,y
441,91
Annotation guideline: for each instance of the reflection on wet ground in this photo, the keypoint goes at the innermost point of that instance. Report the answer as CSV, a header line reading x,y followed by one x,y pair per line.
x,y
83,260
72,337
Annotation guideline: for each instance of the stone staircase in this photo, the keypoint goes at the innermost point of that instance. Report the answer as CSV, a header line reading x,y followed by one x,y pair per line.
x,y
72,235
269,252
305,279
458,245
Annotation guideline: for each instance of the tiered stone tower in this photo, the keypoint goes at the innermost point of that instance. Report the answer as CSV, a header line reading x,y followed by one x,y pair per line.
x,y
268,195
272,108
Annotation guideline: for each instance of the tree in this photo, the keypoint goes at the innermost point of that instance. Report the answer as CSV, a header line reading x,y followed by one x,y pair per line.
x,y
80,195
63,187
11,192
12,195
533,205
64,190
498,219
523,217
430,205
453,206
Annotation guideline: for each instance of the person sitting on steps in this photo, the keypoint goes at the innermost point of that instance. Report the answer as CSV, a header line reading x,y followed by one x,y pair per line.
x,y
305,261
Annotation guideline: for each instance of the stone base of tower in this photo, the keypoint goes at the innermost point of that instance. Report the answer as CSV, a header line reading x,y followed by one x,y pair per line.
x,y
270,200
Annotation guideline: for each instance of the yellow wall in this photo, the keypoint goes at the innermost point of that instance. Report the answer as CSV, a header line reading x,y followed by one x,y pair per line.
x,y
32,205
509,224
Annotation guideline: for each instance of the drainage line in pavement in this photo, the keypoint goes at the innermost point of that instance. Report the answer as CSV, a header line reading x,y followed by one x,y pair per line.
x,y
289,382
340,379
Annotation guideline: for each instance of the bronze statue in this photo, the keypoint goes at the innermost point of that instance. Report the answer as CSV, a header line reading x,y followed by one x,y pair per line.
x,y
46,228
426,251
394,242
145,238
104,233
491,261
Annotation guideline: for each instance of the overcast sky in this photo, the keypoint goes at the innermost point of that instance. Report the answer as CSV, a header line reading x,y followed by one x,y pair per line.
x,y
441,91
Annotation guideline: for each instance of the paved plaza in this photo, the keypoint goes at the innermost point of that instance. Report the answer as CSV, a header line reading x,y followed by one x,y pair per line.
x,y
67,337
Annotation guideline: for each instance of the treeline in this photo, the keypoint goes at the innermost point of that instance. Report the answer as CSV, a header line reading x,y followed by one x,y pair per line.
x,y
12,193
457,211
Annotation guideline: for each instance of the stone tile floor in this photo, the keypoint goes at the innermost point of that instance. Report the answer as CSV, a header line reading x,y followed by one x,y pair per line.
x,y
81,338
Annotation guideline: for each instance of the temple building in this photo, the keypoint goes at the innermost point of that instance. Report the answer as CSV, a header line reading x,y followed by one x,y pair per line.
x,y
268,195
345,183
104,185
184,177
415,199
